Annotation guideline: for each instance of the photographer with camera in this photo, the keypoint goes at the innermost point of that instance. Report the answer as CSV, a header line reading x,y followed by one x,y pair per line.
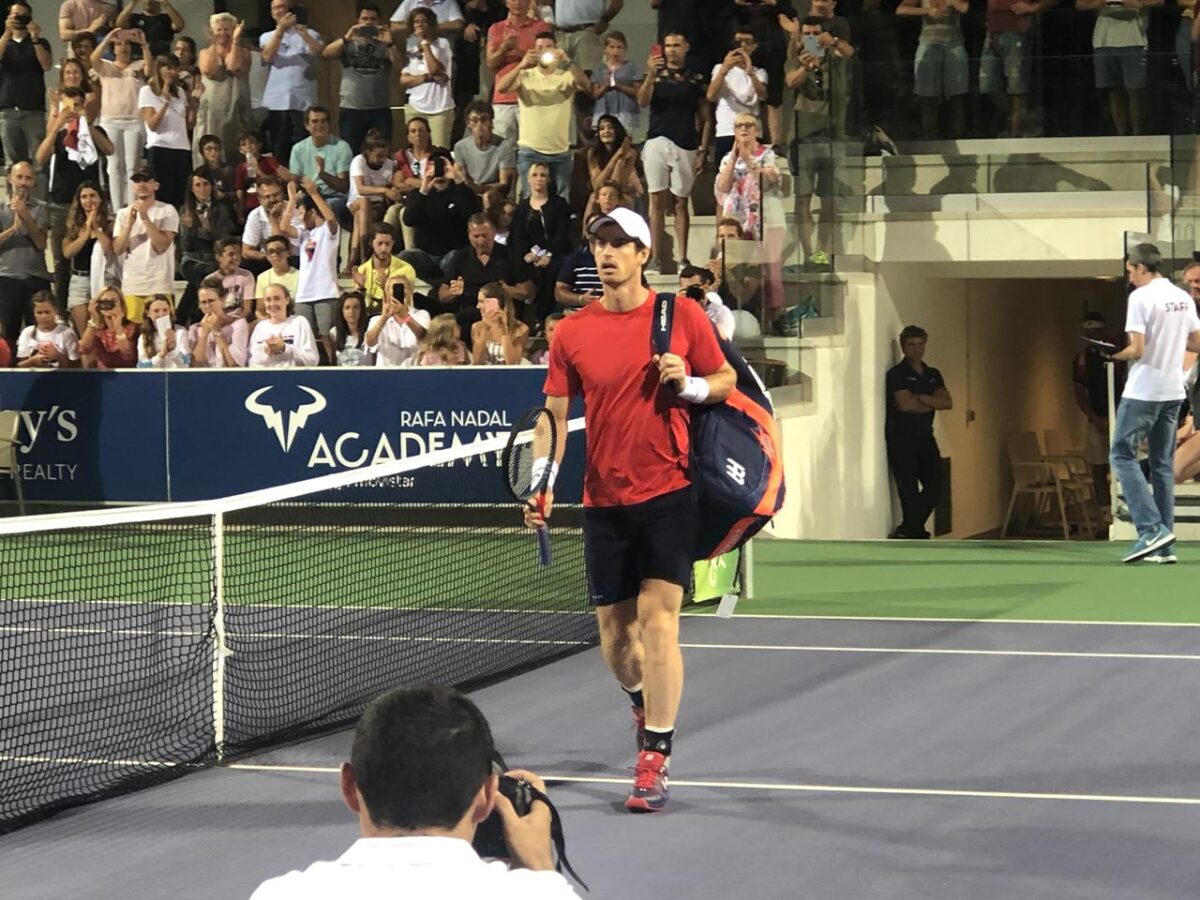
x,y
290,52
421,781
24,60
815,59
545,83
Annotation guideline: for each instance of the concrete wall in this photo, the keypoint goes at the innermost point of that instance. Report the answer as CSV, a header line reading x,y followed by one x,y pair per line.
x,y
1004,347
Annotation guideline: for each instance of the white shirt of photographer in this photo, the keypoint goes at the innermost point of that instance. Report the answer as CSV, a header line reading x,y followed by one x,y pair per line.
x,y
421,868
397,343
737,96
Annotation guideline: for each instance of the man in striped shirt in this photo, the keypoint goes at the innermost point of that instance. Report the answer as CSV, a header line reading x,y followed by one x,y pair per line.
x,y
578,282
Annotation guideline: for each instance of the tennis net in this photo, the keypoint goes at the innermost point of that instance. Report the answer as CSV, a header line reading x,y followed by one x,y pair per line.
x,y
140,644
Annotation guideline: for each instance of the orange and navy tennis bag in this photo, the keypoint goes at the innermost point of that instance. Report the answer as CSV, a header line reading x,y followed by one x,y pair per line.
x,y
736,462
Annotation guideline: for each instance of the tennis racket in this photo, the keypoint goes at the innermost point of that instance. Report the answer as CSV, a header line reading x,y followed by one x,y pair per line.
x,y
528,466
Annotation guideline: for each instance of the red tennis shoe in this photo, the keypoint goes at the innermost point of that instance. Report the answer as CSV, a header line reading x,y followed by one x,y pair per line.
x,y
649,792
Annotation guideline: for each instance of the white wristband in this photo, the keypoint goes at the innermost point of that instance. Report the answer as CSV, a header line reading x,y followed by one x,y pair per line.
x,y
695,389
539,468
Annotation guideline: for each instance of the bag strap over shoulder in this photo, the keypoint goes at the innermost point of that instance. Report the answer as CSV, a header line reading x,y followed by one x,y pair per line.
x,y
664,318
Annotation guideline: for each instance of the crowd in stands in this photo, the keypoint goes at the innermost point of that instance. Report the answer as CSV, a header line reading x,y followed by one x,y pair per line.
x,y
242,236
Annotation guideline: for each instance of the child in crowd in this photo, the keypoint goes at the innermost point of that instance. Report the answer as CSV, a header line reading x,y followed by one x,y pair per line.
x,y
441,346
317,287
282,340
499,338
542,357
47,343
163,344
254,165
346,343
371,191
221,174
281,272
615,84
221,338
395,335
240,285
381,266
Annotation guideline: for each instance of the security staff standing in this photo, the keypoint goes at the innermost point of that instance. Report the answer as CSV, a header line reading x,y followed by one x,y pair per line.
x,y
915,392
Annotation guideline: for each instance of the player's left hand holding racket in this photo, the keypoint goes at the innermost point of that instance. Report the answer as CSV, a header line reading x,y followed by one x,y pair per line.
x,y
529,466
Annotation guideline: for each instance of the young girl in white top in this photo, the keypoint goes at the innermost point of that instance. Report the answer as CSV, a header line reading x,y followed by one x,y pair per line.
x,y
395,335
347,340
316,286
219,340
47,343
499,339
162,344
167,110
282,340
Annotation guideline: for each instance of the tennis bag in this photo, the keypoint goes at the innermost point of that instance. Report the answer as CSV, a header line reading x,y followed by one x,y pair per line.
x,y
735,454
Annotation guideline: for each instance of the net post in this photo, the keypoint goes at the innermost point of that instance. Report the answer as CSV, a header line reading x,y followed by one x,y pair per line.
x,y
220,649
1111,379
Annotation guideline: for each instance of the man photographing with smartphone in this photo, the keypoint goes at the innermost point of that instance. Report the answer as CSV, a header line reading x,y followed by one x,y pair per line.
x,y
24,59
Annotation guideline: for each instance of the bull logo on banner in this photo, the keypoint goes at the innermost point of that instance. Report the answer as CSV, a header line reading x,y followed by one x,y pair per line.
x,y
296,419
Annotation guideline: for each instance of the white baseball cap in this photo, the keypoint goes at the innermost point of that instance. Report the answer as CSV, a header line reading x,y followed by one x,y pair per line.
x,y
633,225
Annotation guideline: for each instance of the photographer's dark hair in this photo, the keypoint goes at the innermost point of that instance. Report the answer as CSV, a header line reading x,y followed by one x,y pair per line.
x,y
913,331
1146,255
420,755
702,272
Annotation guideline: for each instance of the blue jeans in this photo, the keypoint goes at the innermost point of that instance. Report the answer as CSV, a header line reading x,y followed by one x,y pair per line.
x,y
1137,420
561,165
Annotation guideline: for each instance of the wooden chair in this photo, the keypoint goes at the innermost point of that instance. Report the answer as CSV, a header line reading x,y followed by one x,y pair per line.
x,y
1046,483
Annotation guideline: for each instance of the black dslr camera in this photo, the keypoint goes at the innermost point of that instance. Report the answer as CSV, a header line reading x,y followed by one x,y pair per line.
x,y
489,836
489,839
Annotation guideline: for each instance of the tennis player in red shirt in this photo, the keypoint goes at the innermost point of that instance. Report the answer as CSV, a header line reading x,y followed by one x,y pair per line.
x,y
639,520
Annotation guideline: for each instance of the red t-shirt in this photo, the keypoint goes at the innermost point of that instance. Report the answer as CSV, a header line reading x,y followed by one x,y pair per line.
x,y
525,33
637,430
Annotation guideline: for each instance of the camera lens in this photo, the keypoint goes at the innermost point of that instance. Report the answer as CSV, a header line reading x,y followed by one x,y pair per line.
x,y
548,58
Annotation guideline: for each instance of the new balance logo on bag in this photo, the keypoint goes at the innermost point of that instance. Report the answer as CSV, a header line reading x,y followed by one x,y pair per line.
x,y
735,455
735,470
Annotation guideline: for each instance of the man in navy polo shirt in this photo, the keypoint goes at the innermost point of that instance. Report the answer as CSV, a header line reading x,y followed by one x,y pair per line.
x,y
914,392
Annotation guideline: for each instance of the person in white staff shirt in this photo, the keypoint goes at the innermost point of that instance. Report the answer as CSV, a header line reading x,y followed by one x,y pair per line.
x,y
420,780
282,340
47,343
1162,324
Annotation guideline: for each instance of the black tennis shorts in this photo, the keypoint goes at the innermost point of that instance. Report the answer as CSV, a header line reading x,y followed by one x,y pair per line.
x,y
624,545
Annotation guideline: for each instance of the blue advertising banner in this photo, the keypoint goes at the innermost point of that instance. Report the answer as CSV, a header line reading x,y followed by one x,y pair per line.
x,y
197,434
259,428
89,436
